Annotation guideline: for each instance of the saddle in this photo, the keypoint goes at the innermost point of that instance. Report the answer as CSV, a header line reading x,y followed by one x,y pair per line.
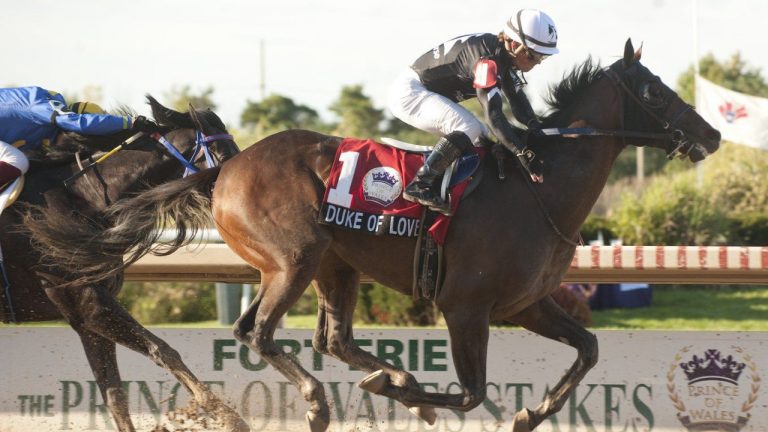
x,y
9,192
428,268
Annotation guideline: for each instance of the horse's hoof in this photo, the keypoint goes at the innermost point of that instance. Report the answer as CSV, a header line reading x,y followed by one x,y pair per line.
x,y
522,421
427,414
316,424
375,382
235,424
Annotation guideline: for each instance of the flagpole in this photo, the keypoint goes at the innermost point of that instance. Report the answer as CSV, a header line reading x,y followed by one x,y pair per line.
x,y
699,166
695,37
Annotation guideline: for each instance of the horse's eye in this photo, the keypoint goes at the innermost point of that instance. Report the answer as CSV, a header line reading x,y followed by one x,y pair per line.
x,y
652,93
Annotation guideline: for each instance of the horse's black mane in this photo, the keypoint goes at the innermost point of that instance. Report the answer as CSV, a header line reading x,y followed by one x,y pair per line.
x,y
564,94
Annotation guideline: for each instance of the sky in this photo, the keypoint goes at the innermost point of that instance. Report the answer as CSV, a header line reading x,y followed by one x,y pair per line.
x,y
311,48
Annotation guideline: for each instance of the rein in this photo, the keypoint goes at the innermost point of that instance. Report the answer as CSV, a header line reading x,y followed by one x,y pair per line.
x,y
201,143
578,132
543,207
674,136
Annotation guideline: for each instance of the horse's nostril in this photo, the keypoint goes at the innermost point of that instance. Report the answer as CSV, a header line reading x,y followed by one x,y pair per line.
x,y
713,134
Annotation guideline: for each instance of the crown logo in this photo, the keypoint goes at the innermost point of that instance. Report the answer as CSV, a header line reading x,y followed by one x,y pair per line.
x,y
712,367
382,185
385,177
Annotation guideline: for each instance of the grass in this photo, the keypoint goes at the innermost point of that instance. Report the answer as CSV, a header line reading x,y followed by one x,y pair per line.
x,y
693,308
727,308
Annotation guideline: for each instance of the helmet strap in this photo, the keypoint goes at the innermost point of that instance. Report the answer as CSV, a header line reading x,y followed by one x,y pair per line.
x,y
520,31
519,50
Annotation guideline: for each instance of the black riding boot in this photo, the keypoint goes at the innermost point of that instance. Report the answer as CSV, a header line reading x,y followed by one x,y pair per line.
x,y
421,189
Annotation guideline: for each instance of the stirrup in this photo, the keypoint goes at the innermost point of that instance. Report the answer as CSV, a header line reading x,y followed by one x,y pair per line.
x,y
444,208
440,206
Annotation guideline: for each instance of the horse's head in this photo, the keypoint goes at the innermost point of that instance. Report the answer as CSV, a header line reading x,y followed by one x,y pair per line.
x,y
199,137
651,106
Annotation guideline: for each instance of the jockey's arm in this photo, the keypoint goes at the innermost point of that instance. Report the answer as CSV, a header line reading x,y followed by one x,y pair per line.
x,y
492,102
512,86
93,124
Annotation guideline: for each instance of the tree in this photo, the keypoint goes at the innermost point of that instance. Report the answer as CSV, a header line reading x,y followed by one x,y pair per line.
x,y
277,112
626,163
730,206
397,129
734,74
181,97
358,117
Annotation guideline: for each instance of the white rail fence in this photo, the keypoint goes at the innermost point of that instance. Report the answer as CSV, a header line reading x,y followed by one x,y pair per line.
x,y
599,264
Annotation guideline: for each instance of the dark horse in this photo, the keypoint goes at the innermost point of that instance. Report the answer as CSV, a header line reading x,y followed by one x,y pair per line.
x,y
503,257
47,288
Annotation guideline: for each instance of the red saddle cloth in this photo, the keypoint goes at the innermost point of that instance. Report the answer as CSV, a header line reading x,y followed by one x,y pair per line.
x,y
365,191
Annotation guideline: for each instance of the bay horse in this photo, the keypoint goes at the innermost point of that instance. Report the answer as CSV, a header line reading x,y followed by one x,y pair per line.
x,y
508,247
46,288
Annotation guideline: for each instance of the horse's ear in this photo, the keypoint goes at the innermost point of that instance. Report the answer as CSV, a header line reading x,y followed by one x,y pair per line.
x,y
629,53
639,52
200,122
166,116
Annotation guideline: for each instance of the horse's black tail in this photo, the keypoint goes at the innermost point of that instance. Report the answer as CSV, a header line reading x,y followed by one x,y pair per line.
x,y
127,230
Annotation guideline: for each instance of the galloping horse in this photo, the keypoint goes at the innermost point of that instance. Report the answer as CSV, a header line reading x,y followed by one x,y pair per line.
x,y
41,289
507,248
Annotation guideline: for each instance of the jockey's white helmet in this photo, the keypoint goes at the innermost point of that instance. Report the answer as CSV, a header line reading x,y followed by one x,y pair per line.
x,y
534,29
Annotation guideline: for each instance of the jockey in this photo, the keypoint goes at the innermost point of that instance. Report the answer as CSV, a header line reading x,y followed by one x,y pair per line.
x,y
484,66
33,116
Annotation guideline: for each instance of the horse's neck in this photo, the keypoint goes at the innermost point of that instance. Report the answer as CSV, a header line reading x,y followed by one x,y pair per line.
x,y
580,167
116,176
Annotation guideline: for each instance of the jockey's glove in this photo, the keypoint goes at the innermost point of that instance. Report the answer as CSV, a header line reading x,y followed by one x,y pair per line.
x,y
531,165
143,124
533,125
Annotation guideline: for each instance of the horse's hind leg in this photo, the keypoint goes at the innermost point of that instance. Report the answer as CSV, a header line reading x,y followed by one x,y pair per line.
x,y
337,286
280,289
548,319
469,342
101,322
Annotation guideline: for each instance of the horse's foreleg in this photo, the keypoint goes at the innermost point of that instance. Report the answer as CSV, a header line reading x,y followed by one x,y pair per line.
x,y
548,319
256,329
101,355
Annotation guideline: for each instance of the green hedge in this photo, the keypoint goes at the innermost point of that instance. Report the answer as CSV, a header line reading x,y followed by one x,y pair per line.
x,y
169,302
723,201
377,304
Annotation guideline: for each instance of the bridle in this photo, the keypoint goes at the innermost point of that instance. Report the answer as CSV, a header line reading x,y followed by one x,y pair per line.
x,y
679,145
675,136
201,149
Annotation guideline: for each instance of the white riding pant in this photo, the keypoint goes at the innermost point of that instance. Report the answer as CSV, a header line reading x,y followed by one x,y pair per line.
x,y
431,112
13,156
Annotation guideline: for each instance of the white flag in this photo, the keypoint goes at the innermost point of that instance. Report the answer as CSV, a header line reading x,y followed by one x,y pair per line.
x,y
740,118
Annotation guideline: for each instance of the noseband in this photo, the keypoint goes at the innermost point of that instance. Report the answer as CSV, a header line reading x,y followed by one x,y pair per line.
x,y
201,144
